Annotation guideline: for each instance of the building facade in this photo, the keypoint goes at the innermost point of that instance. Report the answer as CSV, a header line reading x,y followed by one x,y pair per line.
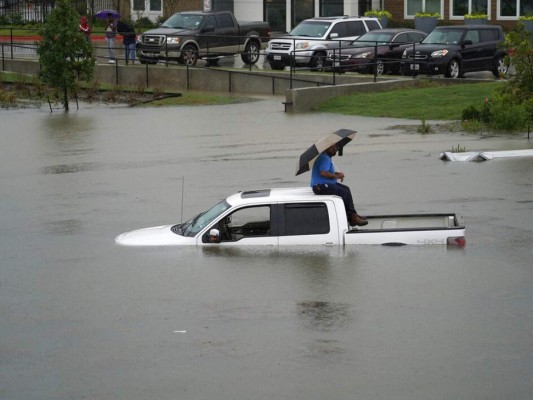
x,y
283,15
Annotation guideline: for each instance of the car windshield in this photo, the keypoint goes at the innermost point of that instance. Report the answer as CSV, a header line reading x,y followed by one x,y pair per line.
x,y
310,28
196,224
183,21
444,36
373,38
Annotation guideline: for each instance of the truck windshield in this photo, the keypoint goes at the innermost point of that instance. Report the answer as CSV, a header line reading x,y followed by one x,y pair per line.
x,y
196,224
310,28
183,21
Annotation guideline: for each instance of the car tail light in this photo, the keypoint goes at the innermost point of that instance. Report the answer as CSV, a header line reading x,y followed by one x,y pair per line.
x,y
456,241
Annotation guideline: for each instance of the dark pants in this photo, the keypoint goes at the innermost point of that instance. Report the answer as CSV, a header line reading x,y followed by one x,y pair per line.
x,y
338,189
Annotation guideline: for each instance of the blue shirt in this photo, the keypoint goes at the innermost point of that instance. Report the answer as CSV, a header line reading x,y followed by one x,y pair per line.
x,y
322,163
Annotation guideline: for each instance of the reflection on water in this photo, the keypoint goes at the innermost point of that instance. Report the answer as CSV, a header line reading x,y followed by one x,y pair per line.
x,y
324,315
69,169
65,227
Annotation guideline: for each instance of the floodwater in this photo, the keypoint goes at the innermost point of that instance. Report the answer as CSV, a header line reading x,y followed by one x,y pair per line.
x,y
83,318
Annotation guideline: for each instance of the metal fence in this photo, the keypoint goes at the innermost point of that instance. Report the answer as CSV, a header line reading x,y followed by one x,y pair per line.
x,y
22,11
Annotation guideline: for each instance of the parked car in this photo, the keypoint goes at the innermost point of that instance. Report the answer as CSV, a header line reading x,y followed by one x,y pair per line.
x,y
189,35
380,51
456,50
307,44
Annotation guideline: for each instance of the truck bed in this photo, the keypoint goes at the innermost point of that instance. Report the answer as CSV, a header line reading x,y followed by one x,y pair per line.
x,y
409,229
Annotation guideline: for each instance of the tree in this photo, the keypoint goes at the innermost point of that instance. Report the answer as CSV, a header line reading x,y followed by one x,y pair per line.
x,y
64,53
520,49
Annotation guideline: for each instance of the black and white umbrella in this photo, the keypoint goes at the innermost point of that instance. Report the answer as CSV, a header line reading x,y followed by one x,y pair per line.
x,y
340,138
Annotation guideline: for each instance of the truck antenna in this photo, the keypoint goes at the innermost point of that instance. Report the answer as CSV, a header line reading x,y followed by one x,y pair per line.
x,y
182,190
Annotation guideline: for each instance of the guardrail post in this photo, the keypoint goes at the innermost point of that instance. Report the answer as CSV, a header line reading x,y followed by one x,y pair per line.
x,y
375,62
147,76
11,40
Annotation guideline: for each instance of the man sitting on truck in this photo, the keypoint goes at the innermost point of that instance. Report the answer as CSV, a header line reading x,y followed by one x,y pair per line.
x,y
324,181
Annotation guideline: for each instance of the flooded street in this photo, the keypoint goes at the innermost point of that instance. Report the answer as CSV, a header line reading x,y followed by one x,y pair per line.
x,y
81,317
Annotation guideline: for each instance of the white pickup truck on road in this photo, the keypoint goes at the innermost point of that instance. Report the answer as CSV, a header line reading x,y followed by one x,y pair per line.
x,y
296,216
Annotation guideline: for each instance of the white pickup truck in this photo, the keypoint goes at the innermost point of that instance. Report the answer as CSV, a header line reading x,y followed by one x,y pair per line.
x,y
296,216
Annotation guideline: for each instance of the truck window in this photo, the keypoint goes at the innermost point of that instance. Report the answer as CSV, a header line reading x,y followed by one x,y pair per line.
x,y
372,25
224,21
245,222
355,28
341,29
306,219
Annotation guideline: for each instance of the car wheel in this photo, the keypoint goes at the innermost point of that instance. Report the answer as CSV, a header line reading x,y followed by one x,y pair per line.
x,y
453,70
189,56
500,67
251,53
318,62
380,67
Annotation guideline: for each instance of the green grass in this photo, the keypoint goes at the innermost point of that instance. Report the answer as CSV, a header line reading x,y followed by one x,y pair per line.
x,y
196,99
436,102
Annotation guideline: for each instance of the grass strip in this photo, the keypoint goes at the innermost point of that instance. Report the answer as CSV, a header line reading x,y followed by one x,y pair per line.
x,y
434,102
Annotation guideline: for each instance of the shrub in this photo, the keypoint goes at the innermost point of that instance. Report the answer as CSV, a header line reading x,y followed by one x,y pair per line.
x,y
508,117
427,14
471,113
424,127
378,14
145,23
476,16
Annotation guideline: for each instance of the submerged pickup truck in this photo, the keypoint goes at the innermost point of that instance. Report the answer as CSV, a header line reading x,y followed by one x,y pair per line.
x,y
296,216
187,36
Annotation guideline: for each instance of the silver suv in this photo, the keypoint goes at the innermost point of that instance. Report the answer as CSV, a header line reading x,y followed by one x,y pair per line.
x,y
307,44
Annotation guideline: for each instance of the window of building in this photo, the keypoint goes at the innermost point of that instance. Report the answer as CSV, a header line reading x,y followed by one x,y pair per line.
x,y
331,8
462,7
306,219
138,5
276,14
302,9
515,8
155,5
427,6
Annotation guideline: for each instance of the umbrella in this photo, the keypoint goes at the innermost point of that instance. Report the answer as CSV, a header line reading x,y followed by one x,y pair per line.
x,y
103,14
340,138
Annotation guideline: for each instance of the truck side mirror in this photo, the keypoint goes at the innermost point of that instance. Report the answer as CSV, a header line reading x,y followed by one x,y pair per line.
x,y
467,42
333,35
208,28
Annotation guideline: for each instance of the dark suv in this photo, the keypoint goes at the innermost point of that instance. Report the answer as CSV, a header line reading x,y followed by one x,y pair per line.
x,y
455,50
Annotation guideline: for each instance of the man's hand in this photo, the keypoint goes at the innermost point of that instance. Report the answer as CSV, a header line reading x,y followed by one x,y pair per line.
x,y
339,175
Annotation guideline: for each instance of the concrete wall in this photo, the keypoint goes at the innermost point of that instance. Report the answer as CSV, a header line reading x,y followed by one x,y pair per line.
x,y
307,91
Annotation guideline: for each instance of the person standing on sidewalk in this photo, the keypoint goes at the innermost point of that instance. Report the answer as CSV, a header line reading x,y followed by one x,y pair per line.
x,y
85,28
110,34
129,36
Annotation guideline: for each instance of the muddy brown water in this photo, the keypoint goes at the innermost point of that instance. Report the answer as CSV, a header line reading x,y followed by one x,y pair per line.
x,y
84,318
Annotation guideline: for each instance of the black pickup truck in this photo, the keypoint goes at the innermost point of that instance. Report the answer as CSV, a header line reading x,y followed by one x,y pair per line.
x,y
187,36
